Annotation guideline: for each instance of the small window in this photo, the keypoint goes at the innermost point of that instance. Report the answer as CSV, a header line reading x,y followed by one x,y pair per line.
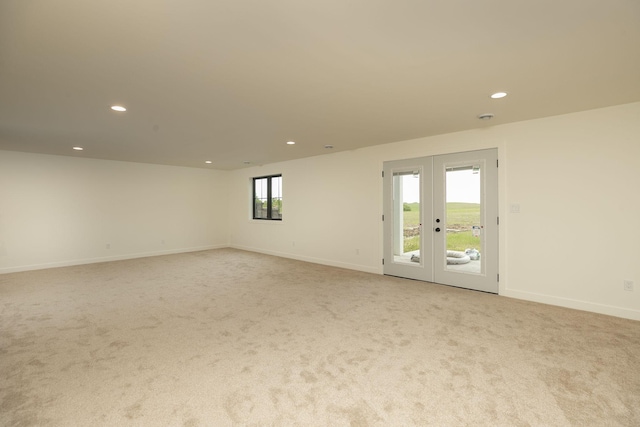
x,y
267,197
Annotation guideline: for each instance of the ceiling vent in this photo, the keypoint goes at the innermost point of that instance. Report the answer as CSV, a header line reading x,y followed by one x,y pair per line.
x,y
485,116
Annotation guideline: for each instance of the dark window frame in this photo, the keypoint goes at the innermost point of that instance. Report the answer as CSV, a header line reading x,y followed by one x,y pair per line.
x,y
269,179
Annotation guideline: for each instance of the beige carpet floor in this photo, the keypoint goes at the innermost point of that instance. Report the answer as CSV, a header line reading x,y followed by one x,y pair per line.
x,y
233,338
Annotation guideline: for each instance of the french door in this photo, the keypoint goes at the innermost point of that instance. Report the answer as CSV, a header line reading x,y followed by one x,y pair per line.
x,y
441,219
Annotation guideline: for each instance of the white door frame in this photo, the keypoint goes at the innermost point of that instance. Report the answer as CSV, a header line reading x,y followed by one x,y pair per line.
x,y
432,266
392,214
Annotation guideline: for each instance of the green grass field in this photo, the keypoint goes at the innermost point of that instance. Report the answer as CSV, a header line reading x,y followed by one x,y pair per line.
x,y
460,217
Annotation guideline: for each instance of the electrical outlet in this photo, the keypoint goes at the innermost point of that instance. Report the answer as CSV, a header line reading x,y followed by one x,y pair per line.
x,y
628,285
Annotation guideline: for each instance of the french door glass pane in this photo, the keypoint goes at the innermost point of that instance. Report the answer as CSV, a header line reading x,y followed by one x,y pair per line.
x,y
463,219
407,217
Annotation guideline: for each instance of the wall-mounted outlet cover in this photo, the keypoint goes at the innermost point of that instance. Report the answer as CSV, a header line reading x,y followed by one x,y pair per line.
x,y
628,285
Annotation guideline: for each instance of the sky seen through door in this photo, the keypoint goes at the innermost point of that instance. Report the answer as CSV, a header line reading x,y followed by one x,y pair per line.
x,y
463,186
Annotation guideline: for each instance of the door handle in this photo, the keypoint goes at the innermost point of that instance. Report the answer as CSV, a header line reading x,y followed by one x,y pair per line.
x,y
437,229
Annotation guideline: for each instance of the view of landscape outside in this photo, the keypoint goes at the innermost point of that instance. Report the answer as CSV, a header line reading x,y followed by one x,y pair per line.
x,y
411,212
261,197
462,210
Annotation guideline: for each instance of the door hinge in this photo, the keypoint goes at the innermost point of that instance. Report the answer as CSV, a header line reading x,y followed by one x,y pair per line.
x,y
383,217
498,220
382,261
383,174
498,277
497,163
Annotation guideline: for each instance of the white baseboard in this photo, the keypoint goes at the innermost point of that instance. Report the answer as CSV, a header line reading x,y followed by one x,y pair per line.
x,y
527,296
314,260
625,313
622,312
69,263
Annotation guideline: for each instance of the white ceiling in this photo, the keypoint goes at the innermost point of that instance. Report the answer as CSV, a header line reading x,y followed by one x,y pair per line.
x,y
232,81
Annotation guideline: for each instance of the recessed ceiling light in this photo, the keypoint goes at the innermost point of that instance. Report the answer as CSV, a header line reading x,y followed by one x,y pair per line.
x,y
291,143
499,95
78,148
328,146
208,162
118,108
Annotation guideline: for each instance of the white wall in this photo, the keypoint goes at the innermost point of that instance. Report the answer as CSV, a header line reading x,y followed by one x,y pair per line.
x,y
57,211
574,176
577,180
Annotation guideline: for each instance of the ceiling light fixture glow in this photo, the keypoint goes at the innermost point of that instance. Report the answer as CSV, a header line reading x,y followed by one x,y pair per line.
x,y
499,95
78,148
291,143
118,108
208,162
